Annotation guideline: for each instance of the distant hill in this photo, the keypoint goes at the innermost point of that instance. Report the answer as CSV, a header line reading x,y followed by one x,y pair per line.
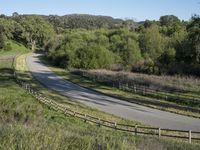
x,y
85,21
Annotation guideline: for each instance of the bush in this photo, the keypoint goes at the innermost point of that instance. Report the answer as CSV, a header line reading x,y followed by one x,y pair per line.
x,y
2,41
8,46
182,68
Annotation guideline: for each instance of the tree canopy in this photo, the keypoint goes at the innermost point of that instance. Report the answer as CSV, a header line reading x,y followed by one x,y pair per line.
x,y
167,46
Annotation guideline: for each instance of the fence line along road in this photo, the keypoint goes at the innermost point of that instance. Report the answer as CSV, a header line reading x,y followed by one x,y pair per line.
x,y
136,129
160,95
136,88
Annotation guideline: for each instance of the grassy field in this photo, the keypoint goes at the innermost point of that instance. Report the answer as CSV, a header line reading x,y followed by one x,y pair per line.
x,y
130,96
15,48
27,124
163,82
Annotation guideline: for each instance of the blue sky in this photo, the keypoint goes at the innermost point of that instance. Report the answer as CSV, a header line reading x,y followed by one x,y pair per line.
x,y
132,9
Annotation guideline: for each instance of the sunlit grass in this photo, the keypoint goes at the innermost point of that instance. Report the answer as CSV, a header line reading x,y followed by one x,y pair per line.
x,y
16,48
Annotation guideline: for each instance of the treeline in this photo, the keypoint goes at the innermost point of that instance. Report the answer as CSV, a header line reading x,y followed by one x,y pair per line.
x,y
32,31
101,48
167,46
88,22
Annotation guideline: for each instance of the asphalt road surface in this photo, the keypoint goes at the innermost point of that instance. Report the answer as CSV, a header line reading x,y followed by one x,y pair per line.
x,y
108,104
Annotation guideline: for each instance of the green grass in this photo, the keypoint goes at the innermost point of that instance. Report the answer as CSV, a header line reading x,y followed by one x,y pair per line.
x,y
5,64
16,48
130,96
27,124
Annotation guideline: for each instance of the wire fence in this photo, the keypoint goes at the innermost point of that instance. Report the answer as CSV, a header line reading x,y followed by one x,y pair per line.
x,y
188,102
191,136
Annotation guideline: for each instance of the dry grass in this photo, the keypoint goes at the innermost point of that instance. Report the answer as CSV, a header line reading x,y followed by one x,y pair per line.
x,y
159,82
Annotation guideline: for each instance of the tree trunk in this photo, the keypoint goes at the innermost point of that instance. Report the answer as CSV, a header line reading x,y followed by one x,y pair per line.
x,y
33,45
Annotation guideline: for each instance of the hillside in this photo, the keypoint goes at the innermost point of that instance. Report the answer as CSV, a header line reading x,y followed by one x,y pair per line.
x,y
85,21
27,124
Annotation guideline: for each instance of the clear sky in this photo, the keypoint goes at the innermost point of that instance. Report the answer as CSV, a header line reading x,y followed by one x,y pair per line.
x,y
132,9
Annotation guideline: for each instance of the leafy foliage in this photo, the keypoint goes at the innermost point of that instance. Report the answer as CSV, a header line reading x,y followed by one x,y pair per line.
x,y
194,39
37,30
76,21
2,40
167,46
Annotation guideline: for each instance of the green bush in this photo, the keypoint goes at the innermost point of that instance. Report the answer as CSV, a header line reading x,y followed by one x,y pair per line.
x,y
8,46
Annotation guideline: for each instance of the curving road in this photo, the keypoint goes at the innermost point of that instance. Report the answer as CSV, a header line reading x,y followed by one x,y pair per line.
x,y
108,104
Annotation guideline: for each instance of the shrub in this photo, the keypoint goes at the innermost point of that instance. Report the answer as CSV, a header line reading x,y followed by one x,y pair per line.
x,y
8,46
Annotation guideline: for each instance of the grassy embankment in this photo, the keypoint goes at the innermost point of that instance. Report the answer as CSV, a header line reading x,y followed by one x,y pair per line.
x,y
27,124
14,48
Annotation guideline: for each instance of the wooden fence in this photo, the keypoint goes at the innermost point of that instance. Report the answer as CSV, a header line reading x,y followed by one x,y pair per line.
x,y
135,129
146,91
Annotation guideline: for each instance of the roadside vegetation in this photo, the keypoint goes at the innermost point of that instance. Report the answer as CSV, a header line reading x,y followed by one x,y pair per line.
x,y
27,124
167,46
12,48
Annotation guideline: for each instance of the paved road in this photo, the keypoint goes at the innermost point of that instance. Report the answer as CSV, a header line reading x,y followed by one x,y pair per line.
x,y
108,104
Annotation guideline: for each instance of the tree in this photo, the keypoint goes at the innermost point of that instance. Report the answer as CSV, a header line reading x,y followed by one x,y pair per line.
x,y
37,31
93,56
168,20
2,40
8,27
15,14
167,58
152,42
193,30
132,53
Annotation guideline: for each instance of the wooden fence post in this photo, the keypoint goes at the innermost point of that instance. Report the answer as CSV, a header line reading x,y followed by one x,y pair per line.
x,y
65,111
51,105
190,136
159,132
85,118
115,125
127,88
144,91
99,122
135,88
136,129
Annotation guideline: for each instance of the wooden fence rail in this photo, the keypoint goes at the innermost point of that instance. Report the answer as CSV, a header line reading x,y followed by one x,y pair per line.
x,y
139,88
158,94
135,129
